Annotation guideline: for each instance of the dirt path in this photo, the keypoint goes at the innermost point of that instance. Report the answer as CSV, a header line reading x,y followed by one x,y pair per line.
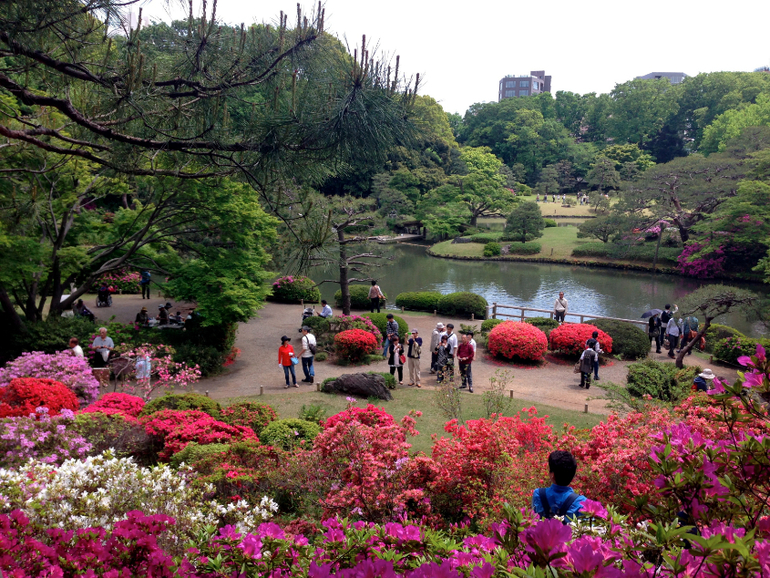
x,y
553,384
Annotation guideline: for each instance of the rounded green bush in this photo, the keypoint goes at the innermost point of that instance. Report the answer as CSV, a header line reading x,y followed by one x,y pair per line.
x,y
730,349
183,402
321,356
250,414
717,332
292,289
290,433
544,324
318,325
523,248
463,304
193,452
492,249
628,341
486,237
488,324
661,381
550,223
418,300
381,322
359,297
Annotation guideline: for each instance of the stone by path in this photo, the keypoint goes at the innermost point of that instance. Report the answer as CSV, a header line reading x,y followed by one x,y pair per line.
x,y
552,384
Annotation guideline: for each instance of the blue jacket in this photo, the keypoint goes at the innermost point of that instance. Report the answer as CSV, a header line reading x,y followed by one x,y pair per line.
x,y
556,495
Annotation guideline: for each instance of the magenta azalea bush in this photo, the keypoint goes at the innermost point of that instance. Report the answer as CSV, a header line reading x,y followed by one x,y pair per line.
x,y
293,288
122,280
702,267
74,372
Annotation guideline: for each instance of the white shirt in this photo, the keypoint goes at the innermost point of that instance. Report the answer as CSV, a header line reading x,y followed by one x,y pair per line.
x,y
326,311
452,342
672,328
78,351
473,344
307,341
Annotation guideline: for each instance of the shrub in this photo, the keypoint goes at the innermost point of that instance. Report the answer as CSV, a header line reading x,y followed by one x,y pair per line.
x,y
49,336
118,433
118,403
49,440
195,452
570,338
321,356
288,434
544,324
74,372
463,303
418,301
312,413
390,380
370,415
488,324
203,431
354,344
550,223
661,381
628,341
344,322
521,248
122,281
717,332
381,322
492,249
359,296
486,237
513,339
318,325
26,396
184,402
292,289
730,349
249,414
644,252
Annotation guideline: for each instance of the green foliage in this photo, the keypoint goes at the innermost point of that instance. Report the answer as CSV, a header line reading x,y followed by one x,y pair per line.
x,y
628,153
47,336
550,223
544,324
525,223
293,289
639,109
418,301
488,324
319,325
523,248
359,296
645,252
731,123
731,348
463,303
289,434
312,413
486,237
628,341
602,228
660,380
492,249
390,380
380,321
183,402
321,356
193,452
114,432
249,414
717,332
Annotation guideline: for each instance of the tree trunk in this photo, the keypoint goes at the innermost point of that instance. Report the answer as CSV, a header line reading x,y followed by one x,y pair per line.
x,y
344,284
685,350
474,219
657,248
10,310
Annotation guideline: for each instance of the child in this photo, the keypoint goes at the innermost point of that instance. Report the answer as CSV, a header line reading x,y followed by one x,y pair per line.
x,y
558,499
587,361
285,354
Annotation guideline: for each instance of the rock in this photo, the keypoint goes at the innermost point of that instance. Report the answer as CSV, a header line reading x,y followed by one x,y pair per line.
x,y
362,385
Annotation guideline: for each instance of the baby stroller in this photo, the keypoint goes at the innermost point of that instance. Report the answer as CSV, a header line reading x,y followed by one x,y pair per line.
x,y
308,312
103,297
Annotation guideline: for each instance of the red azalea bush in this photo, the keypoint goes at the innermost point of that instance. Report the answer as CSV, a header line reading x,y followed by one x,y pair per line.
x,y
204,431
354,344
249,414
117,404
516,339
570,338
370,416
24,395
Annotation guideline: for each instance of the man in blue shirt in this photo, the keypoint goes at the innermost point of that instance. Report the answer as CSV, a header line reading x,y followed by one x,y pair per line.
x,y
326,312
558,499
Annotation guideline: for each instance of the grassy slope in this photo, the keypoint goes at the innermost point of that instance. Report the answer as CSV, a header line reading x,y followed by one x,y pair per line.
x,y
559,239
405,400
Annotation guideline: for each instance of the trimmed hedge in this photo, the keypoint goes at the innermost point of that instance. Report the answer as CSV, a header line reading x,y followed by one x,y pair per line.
x,y
463,303
628,341
514,339
183,402
290,433
550,223
485,237
292,289
660,380
717,332
488,324
492,249
544,324
419,300
530,248
644,252
318,325
193,452
381,322
359,296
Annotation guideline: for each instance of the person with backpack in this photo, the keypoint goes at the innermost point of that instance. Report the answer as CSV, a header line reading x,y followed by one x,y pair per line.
x,y
654,331
559,499
587,360
144,283
593,342
308,354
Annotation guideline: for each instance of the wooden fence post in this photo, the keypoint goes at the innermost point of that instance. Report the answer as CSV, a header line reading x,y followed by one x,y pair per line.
x,y
494,310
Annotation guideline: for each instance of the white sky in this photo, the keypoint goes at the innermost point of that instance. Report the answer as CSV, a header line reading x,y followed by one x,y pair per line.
x,y
462,49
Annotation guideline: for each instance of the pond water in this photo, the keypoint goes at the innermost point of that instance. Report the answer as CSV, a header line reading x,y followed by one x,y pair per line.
x,y
595,291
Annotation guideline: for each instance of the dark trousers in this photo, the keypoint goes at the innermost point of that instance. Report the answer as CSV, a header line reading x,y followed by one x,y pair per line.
x,y
307,367
400,372
657,340
585,379
559,315
145,290
672,341
289,369
466,375
449,368
375,304
596,368
434,361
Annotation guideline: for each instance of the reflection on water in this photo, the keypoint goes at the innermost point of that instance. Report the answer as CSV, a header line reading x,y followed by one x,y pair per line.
x,y
595,291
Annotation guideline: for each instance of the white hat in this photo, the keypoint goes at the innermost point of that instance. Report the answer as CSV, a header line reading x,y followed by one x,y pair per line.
x,y
707,374
440,325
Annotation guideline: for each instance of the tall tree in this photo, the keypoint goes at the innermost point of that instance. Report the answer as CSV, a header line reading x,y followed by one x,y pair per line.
x,y
640,108
603,175
525,222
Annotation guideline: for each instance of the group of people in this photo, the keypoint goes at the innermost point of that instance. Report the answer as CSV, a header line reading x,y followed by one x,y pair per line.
x,y
287,358
164,317
677,330
554,196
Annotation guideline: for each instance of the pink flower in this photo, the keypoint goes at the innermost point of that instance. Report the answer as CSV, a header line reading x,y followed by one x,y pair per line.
x,y
592,508
548,535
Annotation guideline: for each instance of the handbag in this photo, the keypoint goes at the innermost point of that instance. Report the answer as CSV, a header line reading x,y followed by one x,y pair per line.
x,y
402,359
294,360
576,369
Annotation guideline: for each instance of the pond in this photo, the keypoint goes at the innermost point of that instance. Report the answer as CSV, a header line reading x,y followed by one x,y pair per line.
x,y
594,291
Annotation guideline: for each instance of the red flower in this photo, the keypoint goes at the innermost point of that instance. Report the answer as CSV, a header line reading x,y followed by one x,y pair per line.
x,y
354,344
515,339
570,338
117,403
24,395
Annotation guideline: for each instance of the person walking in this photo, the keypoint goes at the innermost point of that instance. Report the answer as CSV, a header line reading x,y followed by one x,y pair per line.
x,y
587,360
396,359
672,331
593,342
285,360
668,313
560,308
435,339
452,352
654,331
414,349
465,355
307,354
689,331
442,358
391,330
375,294
144,283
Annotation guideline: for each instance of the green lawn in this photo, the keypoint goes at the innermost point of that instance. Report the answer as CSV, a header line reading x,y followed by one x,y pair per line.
x,y
556,242
431,422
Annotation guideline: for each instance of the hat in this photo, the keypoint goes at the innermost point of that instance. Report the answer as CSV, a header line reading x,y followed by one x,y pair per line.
x,y
707,374
415,330
285,338
439,325
144,308
160,306
304,328
168,304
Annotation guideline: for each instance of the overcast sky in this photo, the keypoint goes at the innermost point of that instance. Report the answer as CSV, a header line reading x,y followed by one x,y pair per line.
x,y
463,49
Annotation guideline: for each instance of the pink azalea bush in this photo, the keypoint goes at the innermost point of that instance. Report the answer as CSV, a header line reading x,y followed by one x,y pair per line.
x,y
50,440
117,403
72,371
122,280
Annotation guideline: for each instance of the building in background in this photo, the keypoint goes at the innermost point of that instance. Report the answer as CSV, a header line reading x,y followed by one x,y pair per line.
x,y
515,86
673,77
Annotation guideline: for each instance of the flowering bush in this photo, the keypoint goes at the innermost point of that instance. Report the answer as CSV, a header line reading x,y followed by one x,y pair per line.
x,y
345,322
293,288
705,266
354,344
183,402
74,372
249,414
117,403
370,416
513,339
164,372
203,431
122,280
24,395
570,338
49,440
731,348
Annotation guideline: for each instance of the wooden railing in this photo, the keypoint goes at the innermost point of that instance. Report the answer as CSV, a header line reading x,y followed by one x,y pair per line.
x,y
493,312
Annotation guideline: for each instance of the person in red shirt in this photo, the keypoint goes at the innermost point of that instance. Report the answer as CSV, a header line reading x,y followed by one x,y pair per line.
x,y
285,354
465,356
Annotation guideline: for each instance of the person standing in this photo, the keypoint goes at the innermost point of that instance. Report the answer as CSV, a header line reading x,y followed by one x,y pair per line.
x,y
442,358
391,330
689,331
413,352
307,354
435,340
672,330
593,342
395,360
326,311
75,348
375,294
587,360
285,355
560,308
452,352
144,283
654,331
103,346
465,355
668,314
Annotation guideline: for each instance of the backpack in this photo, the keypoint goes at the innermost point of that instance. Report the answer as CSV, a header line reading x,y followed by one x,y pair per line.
x,y
548,513
311,346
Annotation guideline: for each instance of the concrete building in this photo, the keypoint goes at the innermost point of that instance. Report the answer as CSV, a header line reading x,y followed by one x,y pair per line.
x,y
673,77
515,86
